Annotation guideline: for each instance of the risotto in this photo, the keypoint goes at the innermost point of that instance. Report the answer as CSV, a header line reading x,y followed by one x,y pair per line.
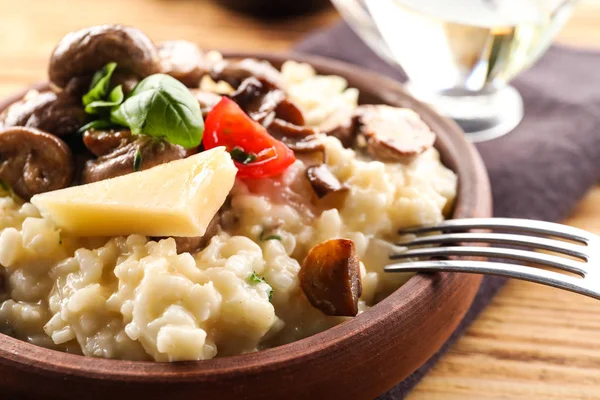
x,y
137,297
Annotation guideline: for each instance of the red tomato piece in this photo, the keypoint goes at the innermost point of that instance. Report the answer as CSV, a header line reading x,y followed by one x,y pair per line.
x,y
256,154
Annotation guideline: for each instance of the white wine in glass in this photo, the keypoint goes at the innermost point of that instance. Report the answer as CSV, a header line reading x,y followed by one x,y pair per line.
x,y
459,55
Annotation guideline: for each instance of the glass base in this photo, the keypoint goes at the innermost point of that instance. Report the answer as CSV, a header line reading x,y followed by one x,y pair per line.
x,y
483,116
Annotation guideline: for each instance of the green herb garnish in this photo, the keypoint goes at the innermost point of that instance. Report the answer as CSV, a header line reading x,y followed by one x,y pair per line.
x,y
254,278
97,124
137,160
273,237
239,155
115,97
264,238
162,107
5,186
99,90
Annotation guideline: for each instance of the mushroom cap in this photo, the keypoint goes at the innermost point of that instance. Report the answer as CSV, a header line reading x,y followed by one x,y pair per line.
x,y
83,52
393,134
235,72
330,277
34,161
120,161
58,114
182,60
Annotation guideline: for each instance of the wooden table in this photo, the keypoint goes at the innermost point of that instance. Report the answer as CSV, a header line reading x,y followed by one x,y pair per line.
x,y
531,343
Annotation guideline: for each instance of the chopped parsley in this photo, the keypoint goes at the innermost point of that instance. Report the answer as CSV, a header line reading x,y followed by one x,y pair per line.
x,y
5,186
137,160
263,237
254,279
239,155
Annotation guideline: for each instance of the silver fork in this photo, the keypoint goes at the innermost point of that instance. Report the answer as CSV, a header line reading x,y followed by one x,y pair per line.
x,y
533,235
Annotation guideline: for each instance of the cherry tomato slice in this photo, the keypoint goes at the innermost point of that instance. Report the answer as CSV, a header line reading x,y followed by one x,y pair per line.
x,y
256,154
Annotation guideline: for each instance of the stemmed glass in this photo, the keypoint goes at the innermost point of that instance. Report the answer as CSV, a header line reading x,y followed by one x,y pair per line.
x,y
459,55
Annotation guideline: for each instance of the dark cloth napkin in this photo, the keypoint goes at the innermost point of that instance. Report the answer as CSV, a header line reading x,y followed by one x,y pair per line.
x,y
538,171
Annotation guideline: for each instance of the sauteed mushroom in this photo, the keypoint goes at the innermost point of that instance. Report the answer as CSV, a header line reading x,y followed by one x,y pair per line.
x,y
301,139
207,100
127,80
33,161
58,114
341,125
182,60
235,73
330,277
393,134
287,111
323,181
103,142
195,244
257,97
121,160
82,53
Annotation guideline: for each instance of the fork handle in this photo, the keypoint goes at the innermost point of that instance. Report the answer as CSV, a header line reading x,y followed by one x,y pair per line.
x,y
522,272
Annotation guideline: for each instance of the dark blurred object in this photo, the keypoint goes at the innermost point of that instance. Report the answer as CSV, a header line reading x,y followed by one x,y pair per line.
x,y
274,8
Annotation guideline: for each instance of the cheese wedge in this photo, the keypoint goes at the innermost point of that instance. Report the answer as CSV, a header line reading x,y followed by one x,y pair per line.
x,y
178,198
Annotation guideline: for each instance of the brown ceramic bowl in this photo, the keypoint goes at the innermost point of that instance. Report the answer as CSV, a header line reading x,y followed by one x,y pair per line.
x,y
358,359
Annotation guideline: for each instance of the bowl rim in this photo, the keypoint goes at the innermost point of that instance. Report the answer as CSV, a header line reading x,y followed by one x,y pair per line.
x,y
473,188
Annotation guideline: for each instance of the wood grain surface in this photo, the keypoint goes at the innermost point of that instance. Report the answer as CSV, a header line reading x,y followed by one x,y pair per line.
x,y
531,343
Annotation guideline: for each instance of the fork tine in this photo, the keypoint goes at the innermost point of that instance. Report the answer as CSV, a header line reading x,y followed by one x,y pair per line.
x,y
508,224
512,254
522,272
502,238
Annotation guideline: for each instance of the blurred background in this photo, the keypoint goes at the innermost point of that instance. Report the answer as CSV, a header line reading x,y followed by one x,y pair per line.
x,y
31,28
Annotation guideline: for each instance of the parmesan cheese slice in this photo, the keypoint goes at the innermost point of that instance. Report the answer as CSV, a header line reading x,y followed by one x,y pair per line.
x,y
178,198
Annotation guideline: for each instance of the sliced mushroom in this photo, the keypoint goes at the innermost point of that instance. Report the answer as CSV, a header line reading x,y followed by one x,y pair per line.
x,y
287,111
82,53
235,72
341,125
207,100
330,277
323,181
182,60
58,114
195,244
257,97
121,160
392,133
33,161
103,142
301,139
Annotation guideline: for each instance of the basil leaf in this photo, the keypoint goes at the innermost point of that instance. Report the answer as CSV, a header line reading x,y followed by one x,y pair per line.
x,y
114,99
98,124
239,155
161,106
137,160
100,85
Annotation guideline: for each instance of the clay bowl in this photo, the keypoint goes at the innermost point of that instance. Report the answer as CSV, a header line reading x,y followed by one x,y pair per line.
x,y
359,359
